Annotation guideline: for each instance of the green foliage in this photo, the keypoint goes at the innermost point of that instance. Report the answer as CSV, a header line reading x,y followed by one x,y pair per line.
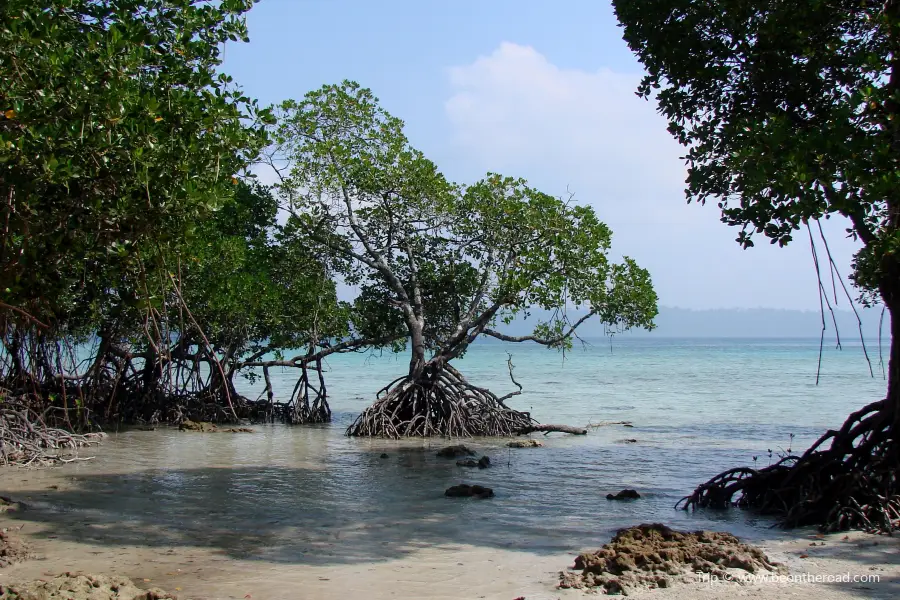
x,y
117,133
253,284
434,259
789,111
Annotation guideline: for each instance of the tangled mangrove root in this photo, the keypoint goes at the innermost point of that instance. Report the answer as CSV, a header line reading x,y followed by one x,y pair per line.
x,y
444,405
25,438
655,556
850,485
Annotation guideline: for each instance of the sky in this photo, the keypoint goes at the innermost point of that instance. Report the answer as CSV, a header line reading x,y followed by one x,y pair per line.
x,y
538,90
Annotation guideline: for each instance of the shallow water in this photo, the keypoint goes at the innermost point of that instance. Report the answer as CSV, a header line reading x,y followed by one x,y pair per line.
x,y
310,495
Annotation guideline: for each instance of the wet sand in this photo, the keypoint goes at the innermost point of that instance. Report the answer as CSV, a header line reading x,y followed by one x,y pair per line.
x,y
313,516
72,542
450,572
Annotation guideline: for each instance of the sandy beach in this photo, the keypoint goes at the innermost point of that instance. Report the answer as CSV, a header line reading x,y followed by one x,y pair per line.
x,y
451,572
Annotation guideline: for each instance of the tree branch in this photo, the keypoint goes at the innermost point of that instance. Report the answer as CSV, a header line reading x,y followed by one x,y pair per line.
x,y
534,338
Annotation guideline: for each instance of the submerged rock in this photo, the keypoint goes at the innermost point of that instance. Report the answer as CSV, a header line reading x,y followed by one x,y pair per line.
x,y
188,425
464,491
525,444
482,463
455,451
624,495
655,556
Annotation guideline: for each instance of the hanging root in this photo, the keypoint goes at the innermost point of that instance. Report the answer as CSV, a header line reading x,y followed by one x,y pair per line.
x,y
26,439
853,484
445,405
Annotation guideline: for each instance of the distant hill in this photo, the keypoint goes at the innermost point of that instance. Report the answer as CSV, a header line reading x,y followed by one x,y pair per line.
x,y
741,323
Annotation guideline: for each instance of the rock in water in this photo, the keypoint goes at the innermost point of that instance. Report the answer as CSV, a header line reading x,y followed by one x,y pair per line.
x,y
384,455
525,444
655,556
188,425
464,491
624,495
455,451
482,463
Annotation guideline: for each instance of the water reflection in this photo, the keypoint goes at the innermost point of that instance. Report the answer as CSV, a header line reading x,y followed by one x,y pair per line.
x,y
312,496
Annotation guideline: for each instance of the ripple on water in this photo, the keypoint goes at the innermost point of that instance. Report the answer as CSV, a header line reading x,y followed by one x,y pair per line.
x,y
311,495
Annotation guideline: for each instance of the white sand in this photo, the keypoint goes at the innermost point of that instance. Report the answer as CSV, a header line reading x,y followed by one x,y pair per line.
x,y
452,572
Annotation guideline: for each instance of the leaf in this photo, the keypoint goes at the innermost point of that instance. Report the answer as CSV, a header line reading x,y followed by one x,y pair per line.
x,y
10,114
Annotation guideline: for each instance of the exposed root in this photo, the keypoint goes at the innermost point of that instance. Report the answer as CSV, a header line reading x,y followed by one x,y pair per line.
x,y
655,556
26,439
850,485
443,404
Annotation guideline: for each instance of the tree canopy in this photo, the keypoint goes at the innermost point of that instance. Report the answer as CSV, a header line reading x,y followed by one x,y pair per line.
x,y
789,111
117,132
440,257
438,264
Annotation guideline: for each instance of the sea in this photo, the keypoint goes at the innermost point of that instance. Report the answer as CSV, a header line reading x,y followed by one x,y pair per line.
x,y
695,406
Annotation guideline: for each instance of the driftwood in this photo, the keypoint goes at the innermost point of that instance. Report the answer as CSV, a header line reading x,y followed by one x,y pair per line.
x,y
537,427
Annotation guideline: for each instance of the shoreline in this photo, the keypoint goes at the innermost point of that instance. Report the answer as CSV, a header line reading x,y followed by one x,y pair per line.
x,y
447,572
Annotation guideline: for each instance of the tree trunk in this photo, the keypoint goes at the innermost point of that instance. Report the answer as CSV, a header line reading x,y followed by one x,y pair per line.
x,y
417,360
890,295
893,390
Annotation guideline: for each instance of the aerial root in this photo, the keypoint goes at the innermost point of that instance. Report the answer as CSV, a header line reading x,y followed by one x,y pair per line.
x,y
26,439
446,405
852,484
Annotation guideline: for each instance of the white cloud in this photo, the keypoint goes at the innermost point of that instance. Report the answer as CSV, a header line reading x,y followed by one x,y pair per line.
x,y
517,113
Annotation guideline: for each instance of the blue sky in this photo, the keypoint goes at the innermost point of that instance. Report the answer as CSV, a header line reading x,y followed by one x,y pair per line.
x,y
537,90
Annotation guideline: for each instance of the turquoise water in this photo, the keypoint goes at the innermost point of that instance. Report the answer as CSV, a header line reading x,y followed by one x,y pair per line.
x,y
697,406
746,393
